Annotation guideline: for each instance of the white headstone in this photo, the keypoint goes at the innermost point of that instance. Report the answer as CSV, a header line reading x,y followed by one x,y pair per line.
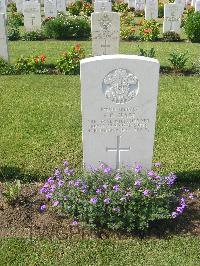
x,y
3,38
139,5
181,4
105,27
102,6
131,3
119,109
197,6
3,7
61,6
50,8
32,16
193,3
19,5
172,20
151,9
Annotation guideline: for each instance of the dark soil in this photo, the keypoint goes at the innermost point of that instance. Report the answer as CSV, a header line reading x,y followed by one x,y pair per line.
x,y
23,218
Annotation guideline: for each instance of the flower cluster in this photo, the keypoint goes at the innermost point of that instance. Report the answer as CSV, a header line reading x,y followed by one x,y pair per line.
x,y
149,30
128,199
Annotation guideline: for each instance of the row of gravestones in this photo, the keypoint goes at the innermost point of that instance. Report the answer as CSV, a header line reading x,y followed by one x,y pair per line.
x,y
32,11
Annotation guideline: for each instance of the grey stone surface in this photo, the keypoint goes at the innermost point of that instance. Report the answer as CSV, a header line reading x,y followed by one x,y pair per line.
x,y
119,99
3,38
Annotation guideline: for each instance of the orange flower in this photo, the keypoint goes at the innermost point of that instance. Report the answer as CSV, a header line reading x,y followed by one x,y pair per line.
x,y
77,47
147,30
36,60
42,57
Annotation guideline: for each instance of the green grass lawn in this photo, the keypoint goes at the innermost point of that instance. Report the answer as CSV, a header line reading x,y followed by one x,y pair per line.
x,y
52,49
177,251
40,120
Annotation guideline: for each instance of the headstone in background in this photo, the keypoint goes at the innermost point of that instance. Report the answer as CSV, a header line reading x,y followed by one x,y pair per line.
x,y
139,5
102,6
32,16
197,6
131,3
50,8
151,9
3,7
119,109
105,27
181,4
193,3
19,5
61,6
172,20
3,38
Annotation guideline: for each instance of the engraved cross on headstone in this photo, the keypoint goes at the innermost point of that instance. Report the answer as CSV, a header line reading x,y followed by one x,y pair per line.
x,y
118,150
32,19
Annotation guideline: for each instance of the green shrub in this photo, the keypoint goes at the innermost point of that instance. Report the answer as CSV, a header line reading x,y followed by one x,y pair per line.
x,y
33,36
12,7
15,19
6,68
149,30
69,62
192,27
196,67
31,64
75,8
120,7
87,9
67,27
13,34
160,10
178,60
127,18
139,13
128,200
147,53
11,191
127,33
171,36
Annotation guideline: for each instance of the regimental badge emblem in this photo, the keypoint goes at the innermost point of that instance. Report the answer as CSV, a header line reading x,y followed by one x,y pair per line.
x,y
120,86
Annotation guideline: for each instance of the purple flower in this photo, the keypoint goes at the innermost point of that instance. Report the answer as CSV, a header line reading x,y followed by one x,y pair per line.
x,y
66,163
102,166
116,188
117,177
138,168
56,203
61,183
146,192
43,207
43,190
157,177
77,183
50,180
57,173
49,195
191,196
107,170
107,200
68,172
151,174
93,200
52,188
170,179
186,190
137,183
158,186
105,186
74,222
46,185
128,194
116,210
158,164
174,214
98,191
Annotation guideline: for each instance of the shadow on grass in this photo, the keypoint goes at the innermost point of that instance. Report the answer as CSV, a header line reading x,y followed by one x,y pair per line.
x,y
10,173
189,177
